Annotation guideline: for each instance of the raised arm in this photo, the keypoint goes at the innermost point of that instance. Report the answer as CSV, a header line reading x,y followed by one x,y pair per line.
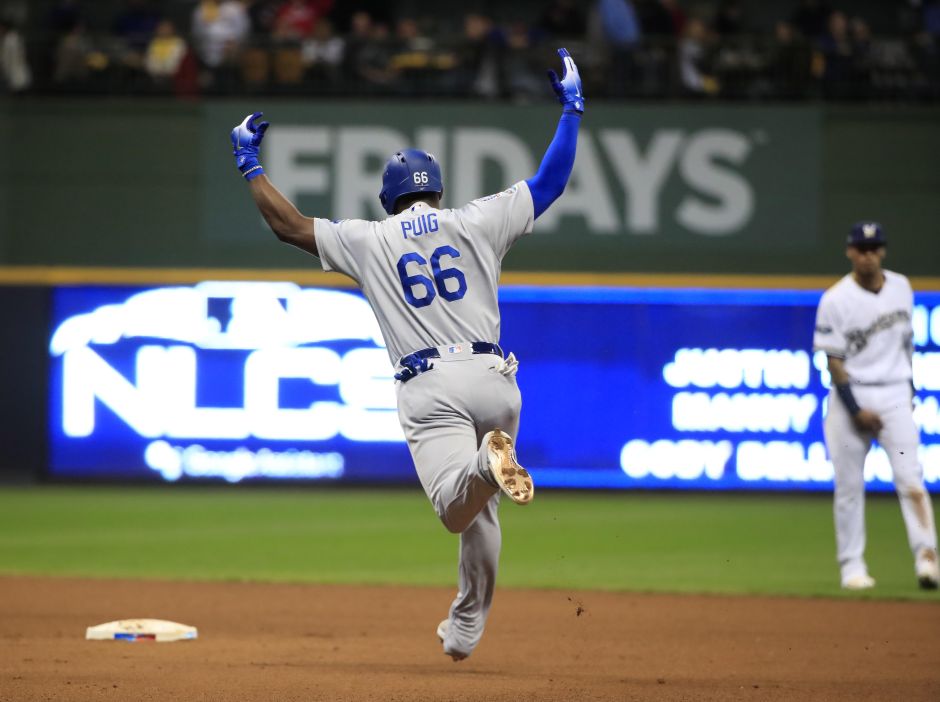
x,y
552,177
285,220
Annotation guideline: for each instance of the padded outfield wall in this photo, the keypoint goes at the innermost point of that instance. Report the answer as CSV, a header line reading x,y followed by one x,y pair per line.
x,y
140,195
662,188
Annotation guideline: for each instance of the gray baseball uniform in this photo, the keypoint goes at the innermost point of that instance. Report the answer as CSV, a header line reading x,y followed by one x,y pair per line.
x,y
872,333
431,277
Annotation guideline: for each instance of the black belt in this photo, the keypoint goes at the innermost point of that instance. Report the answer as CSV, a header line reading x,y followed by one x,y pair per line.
x,y
417,362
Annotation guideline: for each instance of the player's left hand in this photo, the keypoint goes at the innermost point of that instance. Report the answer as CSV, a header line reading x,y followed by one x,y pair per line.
x,y
568,89
868,421
246,140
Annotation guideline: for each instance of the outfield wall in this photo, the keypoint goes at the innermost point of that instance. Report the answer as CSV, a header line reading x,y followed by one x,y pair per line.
x,y
24,318
661,188
247,381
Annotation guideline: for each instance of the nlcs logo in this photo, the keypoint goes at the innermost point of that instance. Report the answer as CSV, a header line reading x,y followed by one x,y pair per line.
x,y
276,335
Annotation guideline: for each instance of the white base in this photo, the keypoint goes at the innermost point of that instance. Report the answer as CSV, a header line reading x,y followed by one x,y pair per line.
x,y
141,630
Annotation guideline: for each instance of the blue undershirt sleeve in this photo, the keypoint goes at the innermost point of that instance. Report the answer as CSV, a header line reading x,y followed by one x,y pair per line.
x,y
552,177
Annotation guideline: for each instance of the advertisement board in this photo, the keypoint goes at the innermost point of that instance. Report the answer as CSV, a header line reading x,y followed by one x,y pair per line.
x,y
622,388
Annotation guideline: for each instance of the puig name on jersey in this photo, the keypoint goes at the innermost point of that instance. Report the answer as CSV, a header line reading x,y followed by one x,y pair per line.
x,y
857,339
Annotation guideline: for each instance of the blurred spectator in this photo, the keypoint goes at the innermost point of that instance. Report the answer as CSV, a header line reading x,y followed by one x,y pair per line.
x,y
369,53
740,62
695,59
656,19
677,13
658,57
417,60
76,57
930,18
861,33
165,52
323,52
15,75
135,25
16,13
219,28
836,66
360,26
613,36
379,11
262,15
619,23
729,20
523,69
631,47
925,48
64,15
789,64
564,18
477,70
861,52
295,19
132,30
811,18
887,66
410,38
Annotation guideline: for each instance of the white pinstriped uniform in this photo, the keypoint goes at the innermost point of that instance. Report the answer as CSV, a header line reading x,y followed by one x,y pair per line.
x,y
872,332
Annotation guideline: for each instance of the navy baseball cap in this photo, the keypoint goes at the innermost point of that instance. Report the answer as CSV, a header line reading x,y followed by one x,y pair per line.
x,y
866,234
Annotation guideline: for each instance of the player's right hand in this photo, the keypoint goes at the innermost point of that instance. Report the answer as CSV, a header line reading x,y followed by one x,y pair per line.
x,y
568,89
246,140
868,421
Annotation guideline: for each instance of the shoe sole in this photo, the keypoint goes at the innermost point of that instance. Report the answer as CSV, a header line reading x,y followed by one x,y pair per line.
x,y
512,479
927,583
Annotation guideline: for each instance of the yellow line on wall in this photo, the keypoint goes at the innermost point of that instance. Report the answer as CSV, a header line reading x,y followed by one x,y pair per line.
x,y
68,275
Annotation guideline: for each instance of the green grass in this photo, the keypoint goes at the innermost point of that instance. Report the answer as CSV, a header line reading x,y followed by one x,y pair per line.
x,y
635,541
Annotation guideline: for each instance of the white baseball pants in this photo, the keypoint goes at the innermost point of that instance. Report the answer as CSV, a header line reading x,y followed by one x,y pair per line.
x,y
848,448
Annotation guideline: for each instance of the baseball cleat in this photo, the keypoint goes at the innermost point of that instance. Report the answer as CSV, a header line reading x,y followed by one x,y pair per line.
x,y
862,581
928,571
441,634
509,476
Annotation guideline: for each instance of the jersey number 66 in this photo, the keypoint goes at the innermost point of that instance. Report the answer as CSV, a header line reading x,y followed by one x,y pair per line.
x,y
431,287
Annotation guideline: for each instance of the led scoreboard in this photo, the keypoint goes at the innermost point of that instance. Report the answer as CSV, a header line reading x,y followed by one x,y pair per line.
x,y
622,388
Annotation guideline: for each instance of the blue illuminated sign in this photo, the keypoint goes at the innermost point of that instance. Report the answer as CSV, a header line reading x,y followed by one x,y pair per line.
x,y
622,388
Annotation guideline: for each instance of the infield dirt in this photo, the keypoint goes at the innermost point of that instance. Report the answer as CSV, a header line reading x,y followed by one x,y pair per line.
x,y
313,642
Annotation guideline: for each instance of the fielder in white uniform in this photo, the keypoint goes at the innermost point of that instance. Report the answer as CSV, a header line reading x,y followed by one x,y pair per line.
x,y
863,324
431,276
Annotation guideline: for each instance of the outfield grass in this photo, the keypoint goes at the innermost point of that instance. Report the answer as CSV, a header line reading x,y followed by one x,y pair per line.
x,y
634,541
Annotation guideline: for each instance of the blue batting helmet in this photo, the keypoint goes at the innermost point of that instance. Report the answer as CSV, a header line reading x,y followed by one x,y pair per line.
x,y
409,171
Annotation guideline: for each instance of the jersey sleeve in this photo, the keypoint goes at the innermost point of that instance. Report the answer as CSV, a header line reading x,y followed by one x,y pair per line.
x,y
342,245
502,218
828,335
909,305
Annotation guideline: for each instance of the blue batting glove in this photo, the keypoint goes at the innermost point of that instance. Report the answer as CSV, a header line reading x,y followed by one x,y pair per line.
x,y
568,89
246,138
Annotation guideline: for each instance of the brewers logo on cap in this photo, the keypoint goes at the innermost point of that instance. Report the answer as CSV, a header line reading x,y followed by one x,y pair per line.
x,y
866,233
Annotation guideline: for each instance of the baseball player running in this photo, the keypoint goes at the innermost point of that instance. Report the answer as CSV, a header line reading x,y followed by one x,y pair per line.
x,y
431,275
864,325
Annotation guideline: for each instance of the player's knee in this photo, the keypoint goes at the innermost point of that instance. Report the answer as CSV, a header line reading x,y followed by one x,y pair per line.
x,y
454,523
850,491
913,491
